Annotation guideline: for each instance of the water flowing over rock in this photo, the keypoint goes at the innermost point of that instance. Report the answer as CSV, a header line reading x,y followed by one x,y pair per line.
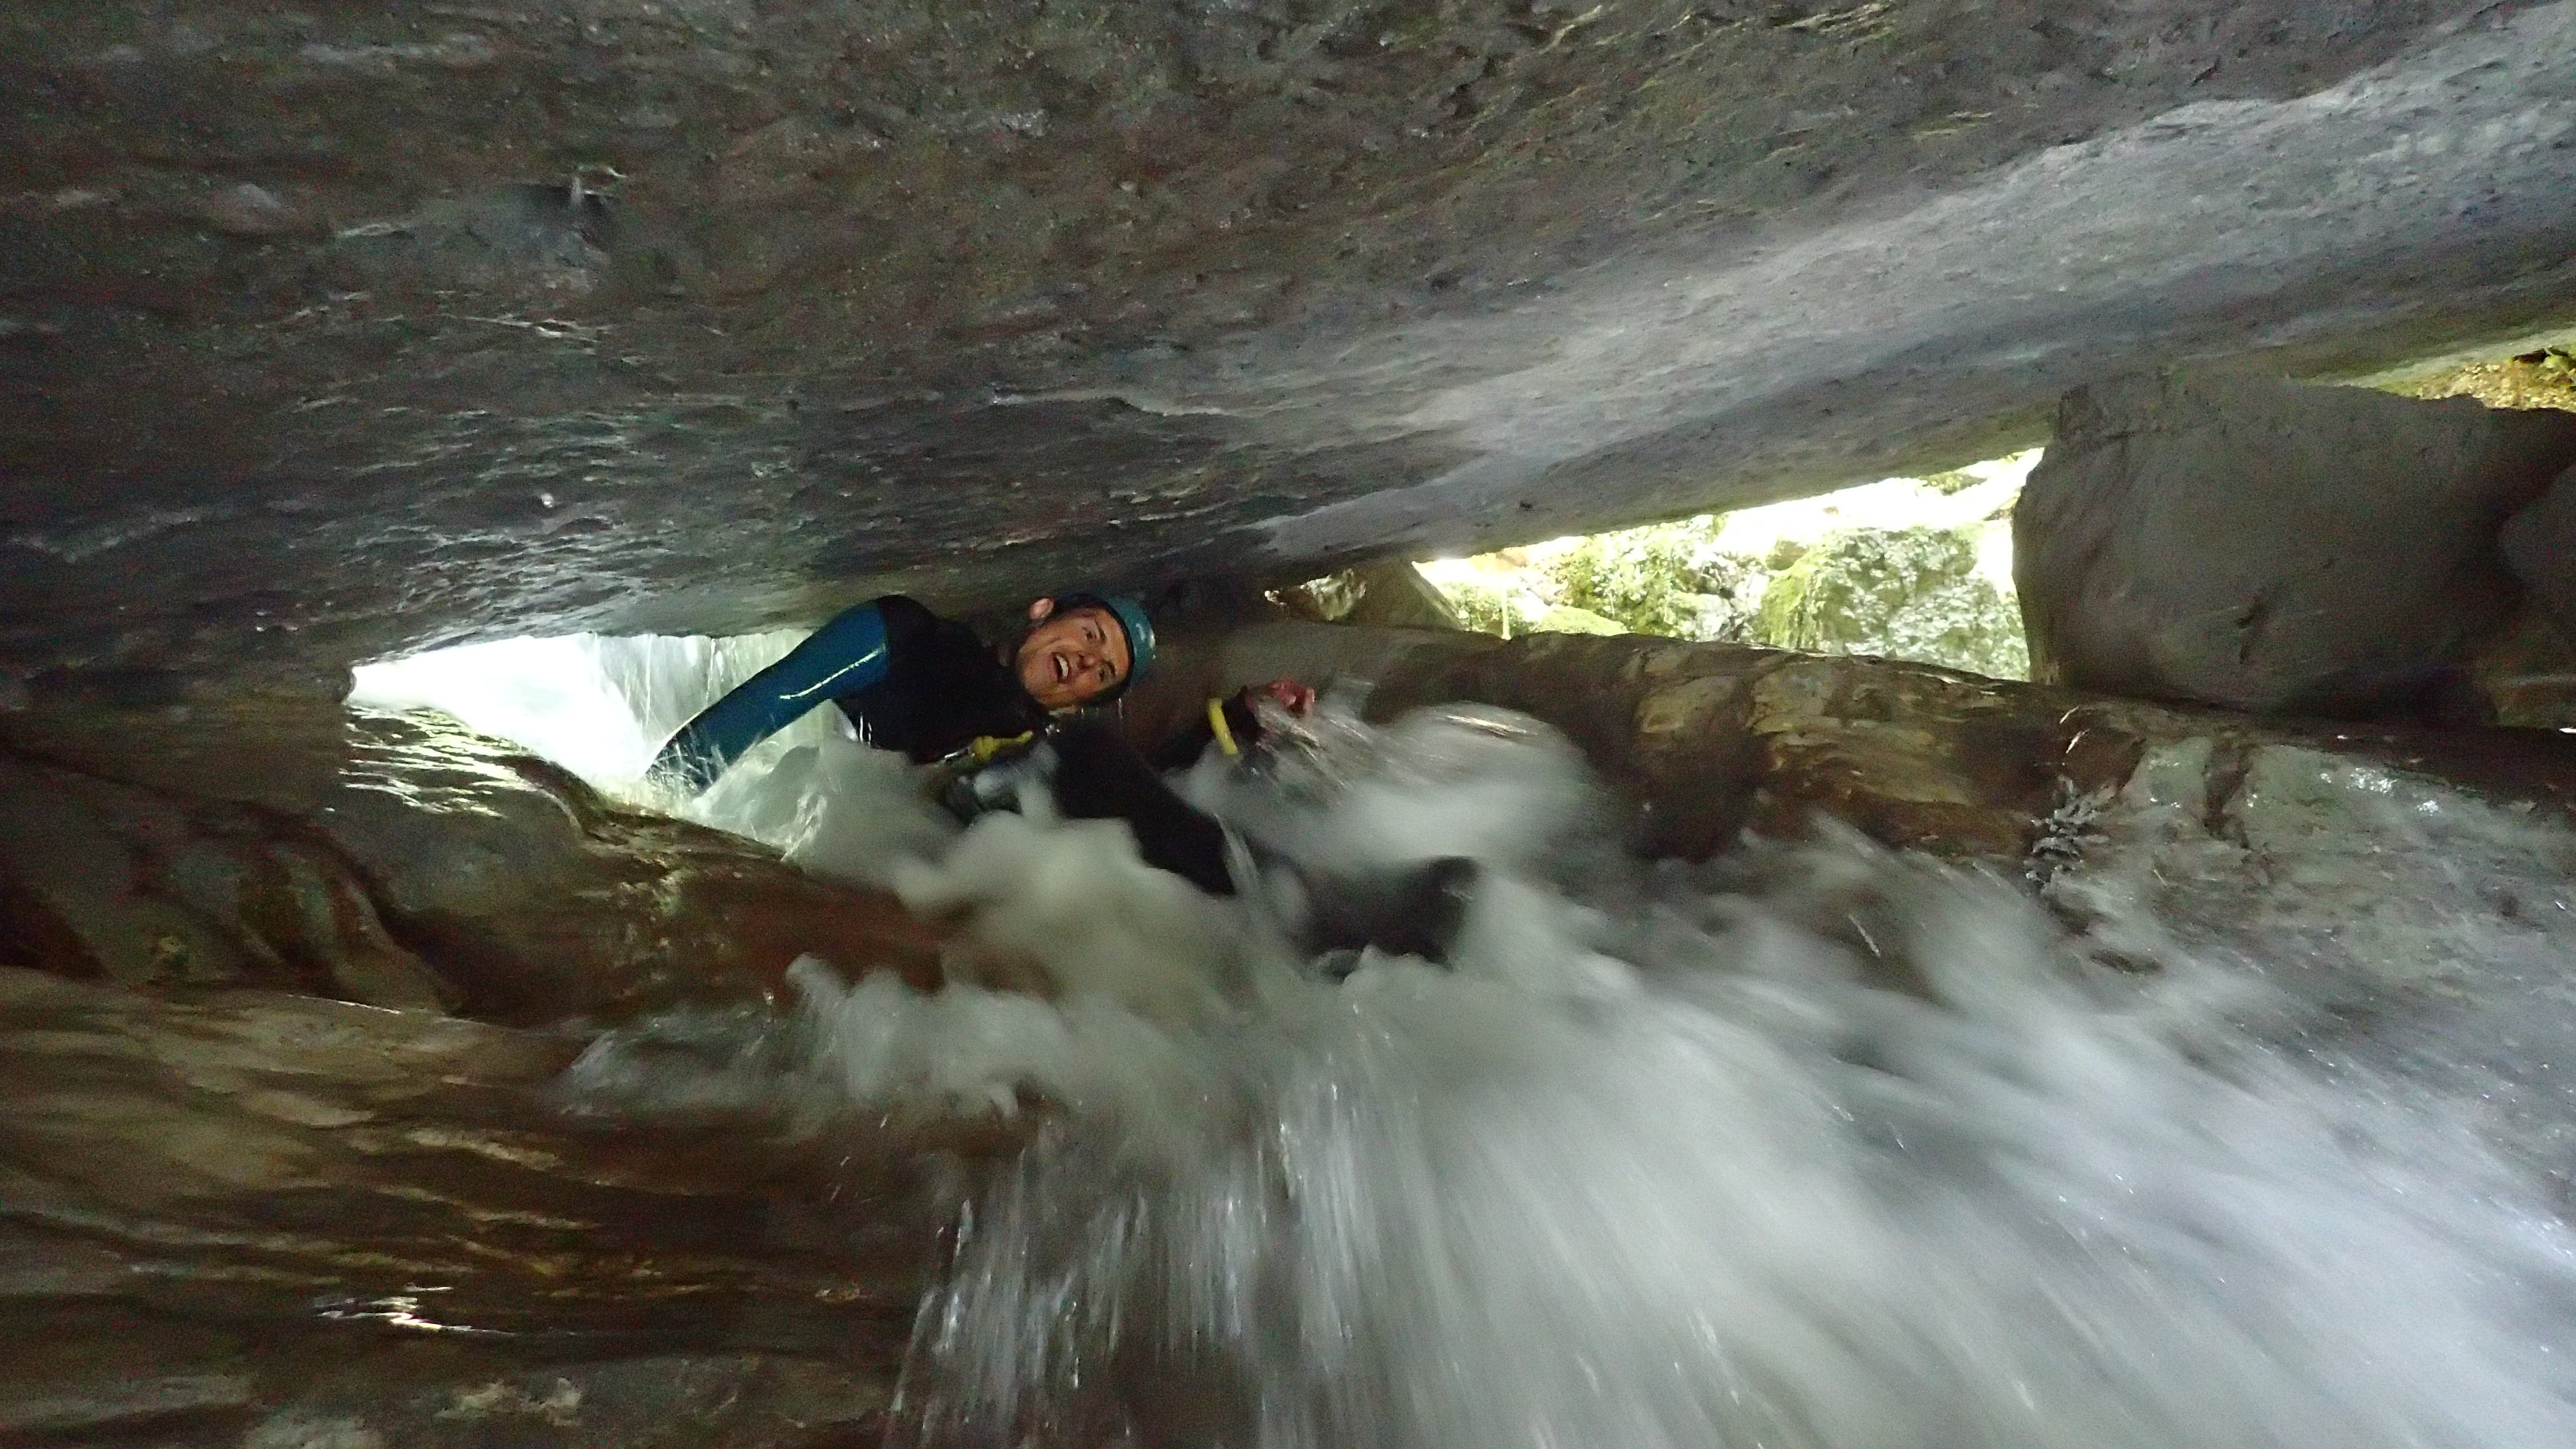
x,y
1385,593
686,1204
2268,546
1703,741
1823,1051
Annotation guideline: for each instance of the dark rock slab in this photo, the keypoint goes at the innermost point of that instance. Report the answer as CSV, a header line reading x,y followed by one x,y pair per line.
x,y
2539,545
2268,546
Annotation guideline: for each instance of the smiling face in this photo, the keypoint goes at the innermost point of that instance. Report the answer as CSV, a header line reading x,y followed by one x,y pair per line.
x,y
1072,657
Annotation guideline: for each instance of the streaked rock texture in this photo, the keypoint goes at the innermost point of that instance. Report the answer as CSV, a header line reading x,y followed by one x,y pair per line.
x,y
328,331
262,1182
412,865
265,1219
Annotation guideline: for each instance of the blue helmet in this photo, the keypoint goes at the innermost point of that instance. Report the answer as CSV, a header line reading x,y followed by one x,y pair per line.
x,y
1133,621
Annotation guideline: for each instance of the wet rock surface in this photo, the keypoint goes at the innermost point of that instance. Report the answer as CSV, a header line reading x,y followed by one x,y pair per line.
x,y
263,1182
254,1217
420,867
258,1219
1706,741
327,332
2271,547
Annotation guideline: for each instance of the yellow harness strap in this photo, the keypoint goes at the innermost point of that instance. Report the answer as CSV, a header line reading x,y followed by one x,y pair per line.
x,y
1224,734
987,746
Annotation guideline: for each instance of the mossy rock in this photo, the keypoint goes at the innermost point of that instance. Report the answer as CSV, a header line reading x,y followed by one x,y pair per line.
x,y
1911,593
1784,554
1640,578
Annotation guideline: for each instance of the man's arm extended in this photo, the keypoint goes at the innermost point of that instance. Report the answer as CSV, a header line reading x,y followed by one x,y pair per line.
x,y
847,654
1100,776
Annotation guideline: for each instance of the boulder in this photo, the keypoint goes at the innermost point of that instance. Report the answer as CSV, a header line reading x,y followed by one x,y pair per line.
x,y
1393,594
2270,546
1387,593
427,869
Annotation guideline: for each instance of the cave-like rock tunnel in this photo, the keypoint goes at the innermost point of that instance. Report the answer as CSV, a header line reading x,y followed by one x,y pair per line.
x,y
1785,1049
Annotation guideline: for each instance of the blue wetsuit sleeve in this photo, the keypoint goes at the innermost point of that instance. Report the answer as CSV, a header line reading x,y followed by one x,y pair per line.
x,y
844,655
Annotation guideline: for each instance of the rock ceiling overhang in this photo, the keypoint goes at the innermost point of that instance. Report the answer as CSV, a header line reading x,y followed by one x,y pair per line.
x,y
329,333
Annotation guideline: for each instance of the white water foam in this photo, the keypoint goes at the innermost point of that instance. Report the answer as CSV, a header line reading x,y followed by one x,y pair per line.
x,y
602,707
1818,1147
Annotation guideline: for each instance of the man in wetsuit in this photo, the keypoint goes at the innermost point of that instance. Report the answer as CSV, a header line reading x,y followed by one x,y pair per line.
x,y
934,690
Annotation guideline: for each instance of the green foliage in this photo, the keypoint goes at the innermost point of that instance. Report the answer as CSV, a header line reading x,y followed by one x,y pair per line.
x,y
1955,480
1483,607
1910,593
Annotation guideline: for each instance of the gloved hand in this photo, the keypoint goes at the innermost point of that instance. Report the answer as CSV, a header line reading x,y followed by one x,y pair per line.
x,y
1292,696
1242,717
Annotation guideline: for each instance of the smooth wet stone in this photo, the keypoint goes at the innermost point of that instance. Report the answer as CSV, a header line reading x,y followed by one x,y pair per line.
x,y
572,906
404,863
274,1219
234,1217
151,890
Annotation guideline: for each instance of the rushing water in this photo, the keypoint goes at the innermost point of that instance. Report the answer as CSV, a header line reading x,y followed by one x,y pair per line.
x,y
2242,1136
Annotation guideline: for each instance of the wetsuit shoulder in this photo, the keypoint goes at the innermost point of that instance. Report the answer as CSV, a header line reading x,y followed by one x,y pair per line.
x,y
907,616
944,687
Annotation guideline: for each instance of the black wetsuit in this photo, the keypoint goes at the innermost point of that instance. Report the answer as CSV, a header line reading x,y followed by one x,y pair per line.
x,y
945,687
932,688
